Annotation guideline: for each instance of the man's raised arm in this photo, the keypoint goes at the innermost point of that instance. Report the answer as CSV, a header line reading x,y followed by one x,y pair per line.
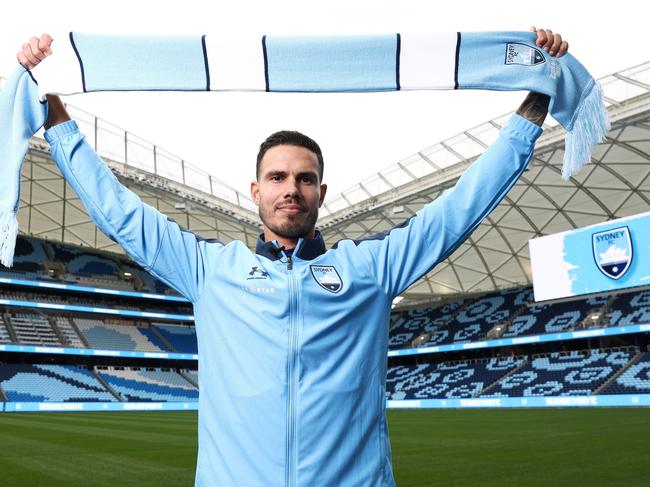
x,y
407,252
154,241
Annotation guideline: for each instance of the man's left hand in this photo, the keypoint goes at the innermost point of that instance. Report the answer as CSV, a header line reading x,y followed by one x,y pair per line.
x,y
550,42
535,106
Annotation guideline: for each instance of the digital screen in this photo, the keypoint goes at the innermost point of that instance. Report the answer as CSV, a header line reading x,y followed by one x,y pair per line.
x,y
604,257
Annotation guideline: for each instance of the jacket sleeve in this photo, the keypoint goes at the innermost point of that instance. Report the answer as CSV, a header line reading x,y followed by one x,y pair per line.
x,y
402,255
154,241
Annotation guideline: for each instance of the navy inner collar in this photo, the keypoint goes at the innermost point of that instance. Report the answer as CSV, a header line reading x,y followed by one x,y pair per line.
x,y
306,249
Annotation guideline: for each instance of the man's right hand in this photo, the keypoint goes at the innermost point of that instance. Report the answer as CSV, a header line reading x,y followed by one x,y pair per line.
x,y
34,51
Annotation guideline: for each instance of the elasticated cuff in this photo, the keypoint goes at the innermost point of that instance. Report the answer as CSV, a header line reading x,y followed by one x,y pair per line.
x,y
60,131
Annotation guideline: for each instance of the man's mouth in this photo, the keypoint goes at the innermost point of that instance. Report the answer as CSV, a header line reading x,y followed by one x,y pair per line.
x,y
291,209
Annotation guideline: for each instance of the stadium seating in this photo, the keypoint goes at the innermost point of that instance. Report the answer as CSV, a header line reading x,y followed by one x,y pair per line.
x,y
617,371
475,319
97,300
630,309
539,319
81,265
140,384
32,329
182,338
408,325
150,283
462,322
4,333
193,375
22,295
93,266
563,374
71,339
634,380
153,338
447,380
28,258
58,383
108,336
85,266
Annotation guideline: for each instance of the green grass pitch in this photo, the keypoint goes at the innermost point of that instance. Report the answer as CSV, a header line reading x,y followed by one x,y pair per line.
x,y
585,447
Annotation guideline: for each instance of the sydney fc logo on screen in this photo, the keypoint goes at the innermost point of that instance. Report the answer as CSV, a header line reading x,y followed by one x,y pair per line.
x,y
613,251
327,277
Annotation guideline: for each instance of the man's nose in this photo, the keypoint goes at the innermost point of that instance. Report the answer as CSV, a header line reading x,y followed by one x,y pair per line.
x,y
291,189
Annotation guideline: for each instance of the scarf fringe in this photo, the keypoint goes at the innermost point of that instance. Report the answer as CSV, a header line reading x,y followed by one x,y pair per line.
x,y
8,235
590,126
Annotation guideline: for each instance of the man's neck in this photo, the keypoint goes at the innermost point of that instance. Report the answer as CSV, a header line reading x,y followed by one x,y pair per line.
x,y
287,243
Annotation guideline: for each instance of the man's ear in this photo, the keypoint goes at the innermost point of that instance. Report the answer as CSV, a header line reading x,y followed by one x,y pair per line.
x,y
323,191
255,192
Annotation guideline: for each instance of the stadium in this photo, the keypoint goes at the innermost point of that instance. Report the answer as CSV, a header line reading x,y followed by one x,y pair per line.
x,y
485,386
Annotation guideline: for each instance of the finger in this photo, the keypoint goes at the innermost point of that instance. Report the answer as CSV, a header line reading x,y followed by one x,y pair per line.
x,y
541,38
564,47
23,60
33,44
27,51
549,39
45,43
557,42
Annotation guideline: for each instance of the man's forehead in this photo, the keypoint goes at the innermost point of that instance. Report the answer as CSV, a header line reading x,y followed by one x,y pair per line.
x,y
289,158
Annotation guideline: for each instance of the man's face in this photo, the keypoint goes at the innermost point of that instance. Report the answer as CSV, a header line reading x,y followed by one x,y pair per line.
x,y
288,193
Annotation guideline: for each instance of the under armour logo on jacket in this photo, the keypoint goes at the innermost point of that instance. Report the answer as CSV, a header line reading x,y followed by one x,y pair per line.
x,y
257,273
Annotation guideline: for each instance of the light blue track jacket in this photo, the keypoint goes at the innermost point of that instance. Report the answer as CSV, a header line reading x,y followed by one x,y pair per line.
x,y
293,350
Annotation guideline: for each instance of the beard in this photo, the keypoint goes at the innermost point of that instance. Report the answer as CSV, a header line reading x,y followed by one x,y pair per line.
x,y
290,226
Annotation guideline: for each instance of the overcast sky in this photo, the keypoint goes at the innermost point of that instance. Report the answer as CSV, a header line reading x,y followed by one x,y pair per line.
x,y
359,133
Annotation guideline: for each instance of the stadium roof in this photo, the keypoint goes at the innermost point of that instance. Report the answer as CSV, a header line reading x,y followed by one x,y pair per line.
x,y
615,184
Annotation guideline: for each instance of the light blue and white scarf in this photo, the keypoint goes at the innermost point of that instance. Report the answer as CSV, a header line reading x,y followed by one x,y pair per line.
x,y
83,63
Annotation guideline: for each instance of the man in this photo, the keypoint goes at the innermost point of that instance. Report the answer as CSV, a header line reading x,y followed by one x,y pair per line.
x,y
293,338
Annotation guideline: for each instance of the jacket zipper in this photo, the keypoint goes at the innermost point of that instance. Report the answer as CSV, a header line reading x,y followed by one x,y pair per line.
x,y
292,386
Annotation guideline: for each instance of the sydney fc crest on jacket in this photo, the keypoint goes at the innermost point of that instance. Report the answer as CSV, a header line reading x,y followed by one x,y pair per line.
x,y
327,277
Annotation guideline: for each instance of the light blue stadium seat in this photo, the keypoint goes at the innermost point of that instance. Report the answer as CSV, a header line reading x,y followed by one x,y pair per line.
x,y
108,338
447,380
631,309
51,383
563,374
135,385
182,338
635,380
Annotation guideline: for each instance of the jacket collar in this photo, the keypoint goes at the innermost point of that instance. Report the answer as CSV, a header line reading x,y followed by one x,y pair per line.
x,y
306,249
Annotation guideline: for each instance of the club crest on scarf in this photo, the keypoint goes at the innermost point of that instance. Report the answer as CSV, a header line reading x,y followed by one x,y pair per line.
x,y
523,55
613,251
327,277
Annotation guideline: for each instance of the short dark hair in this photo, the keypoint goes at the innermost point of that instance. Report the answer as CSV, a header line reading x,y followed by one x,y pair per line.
x,y
290,137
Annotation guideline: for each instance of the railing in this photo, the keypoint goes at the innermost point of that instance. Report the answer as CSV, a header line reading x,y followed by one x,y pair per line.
x,y
119,145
